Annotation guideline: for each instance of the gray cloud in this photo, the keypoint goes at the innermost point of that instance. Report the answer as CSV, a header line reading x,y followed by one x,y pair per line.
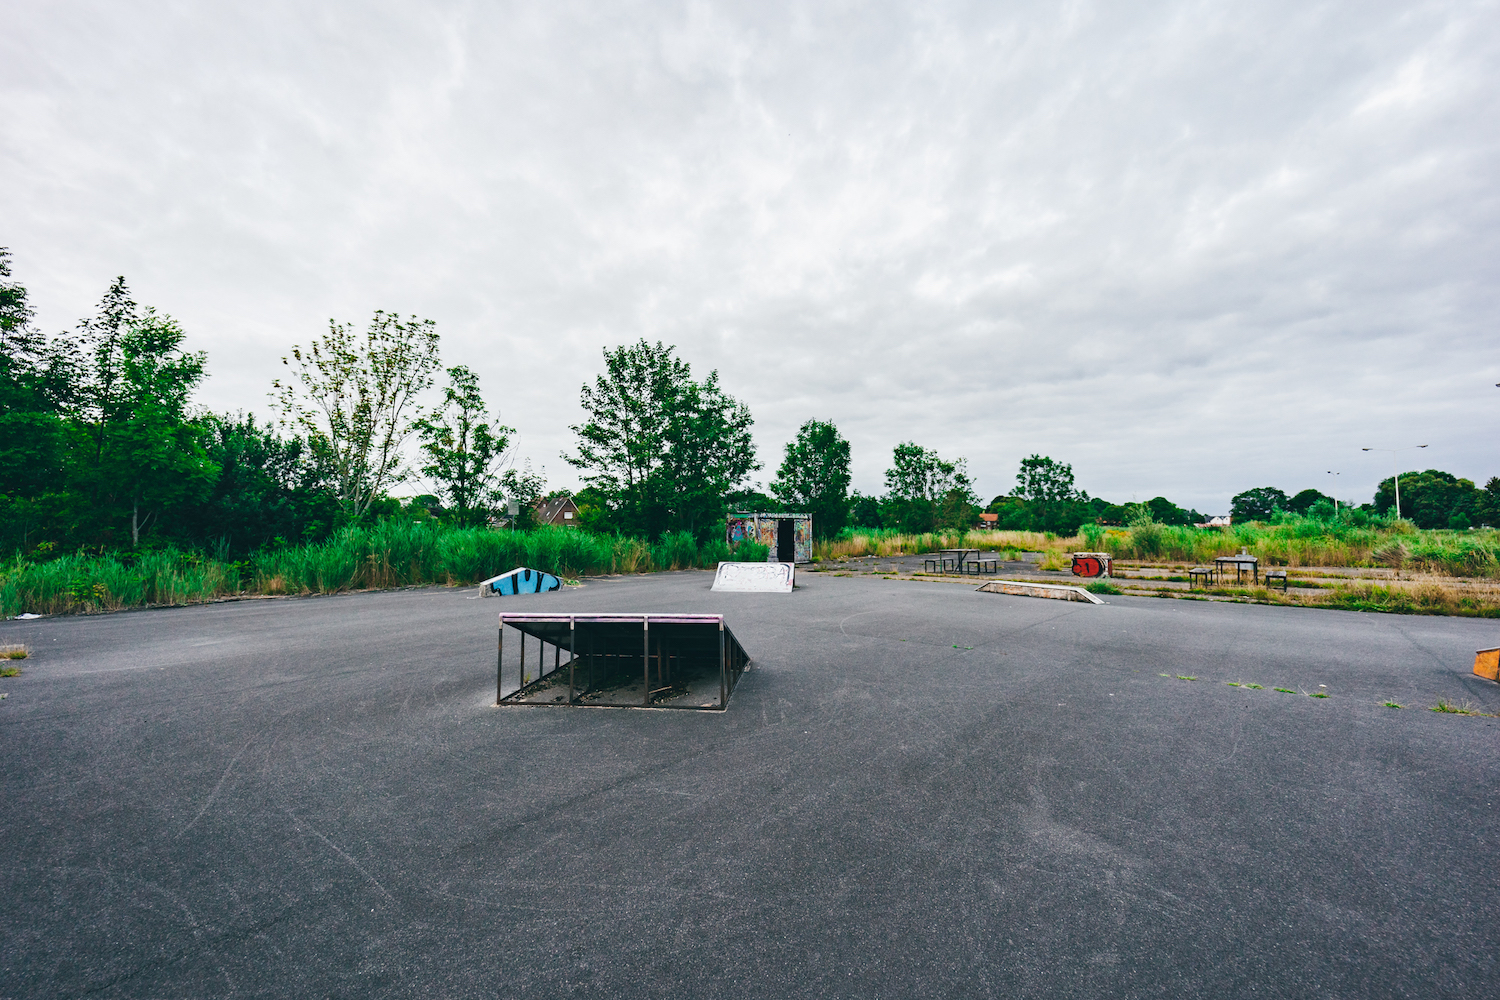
x,y
1188,247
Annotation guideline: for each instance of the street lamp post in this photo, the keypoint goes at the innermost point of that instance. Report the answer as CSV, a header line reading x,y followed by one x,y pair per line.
x,y
1335,476
1395,470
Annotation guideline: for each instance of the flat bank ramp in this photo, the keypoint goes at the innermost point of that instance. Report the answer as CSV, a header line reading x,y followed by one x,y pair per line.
x,y
1018,588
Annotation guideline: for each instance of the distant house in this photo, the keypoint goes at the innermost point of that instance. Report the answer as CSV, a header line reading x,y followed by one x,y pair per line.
x,y
988,520
1217,521
562,511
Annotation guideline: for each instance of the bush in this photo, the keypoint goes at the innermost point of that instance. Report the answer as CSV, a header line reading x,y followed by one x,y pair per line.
x,y
750,551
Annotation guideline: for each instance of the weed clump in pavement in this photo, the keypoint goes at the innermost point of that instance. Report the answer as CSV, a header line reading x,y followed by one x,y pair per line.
x,y
1462,708
1284,690
14,652
1391,704
1102,587
1182,678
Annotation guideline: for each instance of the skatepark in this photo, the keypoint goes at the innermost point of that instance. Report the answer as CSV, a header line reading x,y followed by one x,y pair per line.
x,y
915,790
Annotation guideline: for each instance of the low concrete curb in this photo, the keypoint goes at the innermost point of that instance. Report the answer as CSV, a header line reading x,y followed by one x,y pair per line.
x,y
1018,589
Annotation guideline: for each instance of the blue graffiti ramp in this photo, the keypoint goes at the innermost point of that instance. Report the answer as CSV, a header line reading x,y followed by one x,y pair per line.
x,y
519,581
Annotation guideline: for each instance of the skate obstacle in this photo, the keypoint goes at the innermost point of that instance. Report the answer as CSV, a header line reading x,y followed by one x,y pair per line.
x,y
617,660
754,578
519,581
1019,588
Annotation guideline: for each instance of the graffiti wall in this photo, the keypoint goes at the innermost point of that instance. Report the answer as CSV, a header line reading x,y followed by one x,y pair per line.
x,y
762,528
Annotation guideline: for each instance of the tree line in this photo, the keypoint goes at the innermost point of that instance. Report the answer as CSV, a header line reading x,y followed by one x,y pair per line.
x,y
101,449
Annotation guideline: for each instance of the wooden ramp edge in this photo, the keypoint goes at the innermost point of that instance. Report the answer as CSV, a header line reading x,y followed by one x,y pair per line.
x,y
1017,588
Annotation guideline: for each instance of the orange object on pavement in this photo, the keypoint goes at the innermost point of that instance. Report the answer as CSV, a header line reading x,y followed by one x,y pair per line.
x,y
1487,663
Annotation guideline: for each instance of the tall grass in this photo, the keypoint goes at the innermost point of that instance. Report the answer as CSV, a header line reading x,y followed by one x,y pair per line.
x,y
1294,542
1308,542
392,554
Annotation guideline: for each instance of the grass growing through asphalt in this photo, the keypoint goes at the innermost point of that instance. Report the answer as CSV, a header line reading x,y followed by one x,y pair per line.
x,y
14,652
1102,587
1461,708
1284,690
1391,704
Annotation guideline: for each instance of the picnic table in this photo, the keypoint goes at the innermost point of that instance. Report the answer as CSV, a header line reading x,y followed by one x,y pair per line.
x,y
956,558
1240,562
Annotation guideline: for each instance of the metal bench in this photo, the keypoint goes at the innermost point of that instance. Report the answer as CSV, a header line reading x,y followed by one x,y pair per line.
x,y
982,566
1273,575
1199,573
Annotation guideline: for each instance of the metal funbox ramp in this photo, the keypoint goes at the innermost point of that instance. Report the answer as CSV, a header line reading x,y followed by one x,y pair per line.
x,y
617,660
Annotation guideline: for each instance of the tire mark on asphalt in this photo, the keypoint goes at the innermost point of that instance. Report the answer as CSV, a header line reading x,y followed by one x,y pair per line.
x,y
299,824
215,793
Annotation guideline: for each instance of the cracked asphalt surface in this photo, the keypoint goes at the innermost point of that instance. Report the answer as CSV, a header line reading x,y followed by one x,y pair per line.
x,y
918,791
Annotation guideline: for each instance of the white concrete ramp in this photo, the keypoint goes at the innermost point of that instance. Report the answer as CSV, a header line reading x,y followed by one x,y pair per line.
x,y
754,578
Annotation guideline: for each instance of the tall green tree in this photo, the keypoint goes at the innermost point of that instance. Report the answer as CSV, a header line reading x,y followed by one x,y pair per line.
x,y
32,435
354,398
148,455
1432,499
1046,485
269,489
661,449
464,448
710,452
1259,504
925,492
814,476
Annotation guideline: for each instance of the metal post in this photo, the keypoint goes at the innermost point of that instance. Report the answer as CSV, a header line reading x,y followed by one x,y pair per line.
x,y
646,661
523,660
499,658
723,691
572,658
556,656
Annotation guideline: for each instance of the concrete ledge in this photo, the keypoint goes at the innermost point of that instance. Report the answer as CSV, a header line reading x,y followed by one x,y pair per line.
x,y
1016,588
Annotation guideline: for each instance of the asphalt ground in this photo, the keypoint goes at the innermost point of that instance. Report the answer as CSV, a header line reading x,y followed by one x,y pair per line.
x,y
918,791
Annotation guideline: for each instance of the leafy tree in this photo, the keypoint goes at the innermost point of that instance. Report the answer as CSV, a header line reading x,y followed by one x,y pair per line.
x,y
268,489
32,434
864,510
1431,499
1303,502
710,451
814,476
1044,498
1164,511
464,448
355,399
748,500
136,455
1487,504
924,492
1259,504
661,449
526,488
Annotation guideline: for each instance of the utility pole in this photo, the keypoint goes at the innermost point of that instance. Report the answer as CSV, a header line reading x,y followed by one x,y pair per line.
x,y
1395,469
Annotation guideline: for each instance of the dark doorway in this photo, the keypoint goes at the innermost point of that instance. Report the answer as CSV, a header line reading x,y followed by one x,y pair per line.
x,y
786,540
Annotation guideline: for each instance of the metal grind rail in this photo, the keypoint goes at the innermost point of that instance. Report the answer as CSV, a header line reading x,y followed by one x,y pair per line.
x,y
618,661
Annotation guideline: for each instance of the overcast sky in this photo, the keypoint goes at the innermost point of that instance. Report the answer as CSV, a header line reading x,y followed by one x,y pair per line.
x,y
1189,248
